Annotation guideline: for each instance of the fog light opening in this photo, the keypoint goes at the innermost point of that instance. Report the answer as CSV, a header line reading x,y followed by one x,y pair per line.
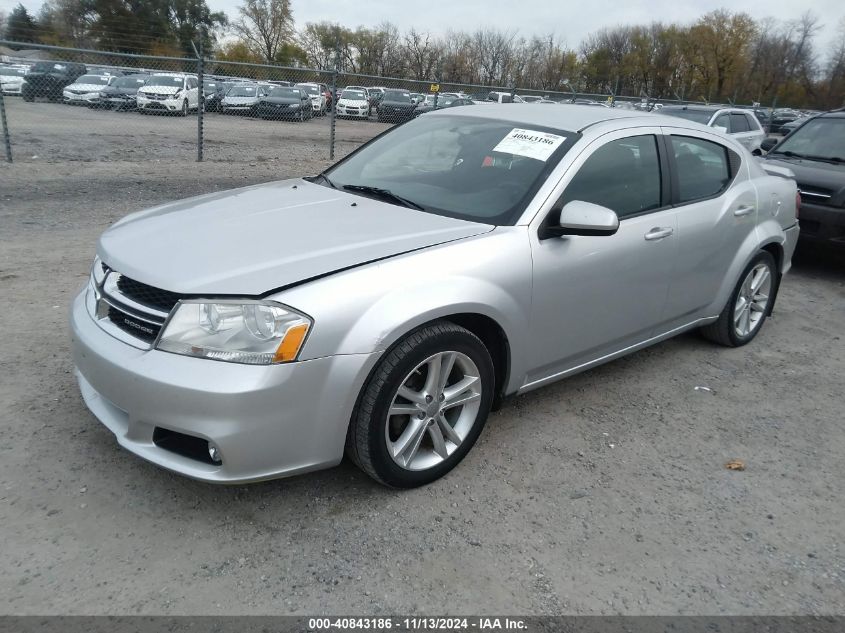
x,y
214,453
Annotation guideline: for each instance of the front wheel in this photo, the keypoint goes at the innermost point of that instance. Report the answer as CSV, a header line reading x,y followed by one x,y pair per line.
x,y
749,305
423,407
185,108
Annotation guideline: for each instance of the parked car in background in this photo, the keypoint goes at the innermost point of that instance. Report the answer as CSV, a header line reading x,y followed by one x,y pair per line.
x,y
780,117
417,98
173,93
382,307
495,96
395,106
791,126
46,80
815,153
283,102
530,98
86,89
213,91
121,94
739,123
376,93
353,104
244,98
318,97
327,93
444,101
11,79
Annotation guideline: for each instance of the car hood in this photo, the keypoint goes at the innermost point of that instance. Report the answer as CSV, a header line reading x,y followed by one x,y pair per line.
x,y
86,87
240,100
112,91
159,90
256,239
356,103
281,100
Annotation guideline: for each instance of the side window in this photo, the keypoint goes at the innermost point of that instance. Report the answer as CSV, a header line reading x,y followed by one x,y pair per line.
x,y
753,124
622,175
702,168
739,123
723,120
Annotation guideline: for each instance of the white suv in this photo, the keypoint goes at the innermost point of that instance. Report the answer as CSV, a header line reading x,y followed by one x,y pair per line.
x,y
169,92
736,122
318,98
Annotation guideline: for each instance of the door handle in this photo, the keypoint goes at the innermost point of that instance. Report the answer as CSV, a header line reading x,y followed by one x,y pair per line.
x,y
658,233
744,210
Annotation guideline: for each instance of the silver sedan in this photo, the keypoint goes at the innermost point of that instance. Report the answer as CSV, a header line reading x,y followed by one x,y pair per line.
x,y
383,307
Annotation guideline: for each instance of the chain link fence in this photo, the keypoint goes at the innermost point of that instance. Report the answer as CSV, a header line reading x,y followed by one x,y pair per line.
x,y
87,105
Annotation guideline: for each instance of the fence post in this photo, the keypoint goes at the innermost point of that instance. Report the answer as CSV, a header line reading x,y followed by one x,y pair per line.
x,y
6,142
334,102
201,96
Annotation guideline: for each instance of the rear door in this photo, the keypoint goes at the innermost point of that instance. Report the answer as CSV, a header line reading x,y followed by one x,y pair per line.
x,y
716,206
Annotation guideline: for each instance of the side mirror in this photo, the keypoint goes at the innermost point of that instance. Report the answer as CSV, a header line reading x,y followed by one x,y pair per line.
x,y
582,218
768,143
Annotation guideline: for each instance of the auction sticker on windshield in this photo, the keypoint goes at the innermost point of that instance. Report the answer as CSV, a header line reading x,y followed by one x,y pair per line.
x,y
529,143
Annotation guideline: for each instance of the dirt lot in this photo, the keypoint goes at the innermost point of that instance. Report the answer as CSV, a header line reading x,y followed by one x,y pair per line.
x,y
602,494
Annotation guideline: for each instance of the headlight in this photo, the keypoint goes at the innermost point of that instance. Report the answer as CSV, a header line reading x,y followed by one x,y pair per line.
x,y
243,331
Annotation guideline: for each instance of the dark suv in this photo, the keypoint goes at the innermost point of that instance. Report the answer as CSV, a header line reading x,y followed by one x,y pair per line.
x,y
815,152
47,79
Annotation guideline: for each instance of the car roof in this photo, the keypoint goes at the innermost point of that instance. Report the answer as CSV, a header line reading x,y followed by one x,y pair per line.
x,y
835,114
569,116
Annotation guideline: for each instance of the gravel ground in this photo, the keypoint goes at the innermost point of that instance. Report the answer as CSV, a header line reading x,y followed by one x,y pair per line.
x,y
603,494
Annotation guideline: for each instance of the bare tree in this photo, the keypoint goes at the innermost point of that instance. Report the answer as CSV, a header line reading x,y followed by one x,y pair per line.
x,y
265,25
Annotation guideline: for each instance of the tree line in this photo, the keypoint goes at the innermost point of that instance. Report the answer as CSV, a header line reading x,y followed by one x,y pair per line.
x,y
723,56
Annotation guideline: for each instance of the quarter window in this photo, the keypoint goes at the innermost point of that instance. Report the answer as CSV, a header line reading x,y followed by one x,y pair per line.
x,y
702,168
622,175
723,120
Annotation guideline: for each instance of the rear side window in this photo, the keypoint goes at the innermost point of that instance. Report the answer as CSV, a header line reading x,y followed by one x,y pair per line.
x,y
739,123
723,120
622,175
702,168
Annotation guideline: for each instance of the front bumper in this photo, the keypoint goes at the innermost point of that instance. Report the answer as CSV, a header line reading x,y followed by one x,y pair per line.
x,y
85,98
161,105
118,103
267,422
362,113
11,89
822,223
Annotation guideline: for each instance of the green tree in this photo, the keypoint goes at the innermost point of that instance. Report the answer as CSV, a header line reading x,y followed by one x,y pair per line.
x,y
20,26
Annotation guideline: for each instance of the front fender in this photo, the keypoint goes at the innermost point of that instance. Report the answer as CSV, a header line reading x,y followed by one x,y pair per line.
x,y
373,306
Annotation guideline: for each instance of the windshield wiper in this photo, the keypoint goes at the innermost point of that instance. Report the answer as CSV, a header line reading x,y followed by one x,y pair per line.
x,y
822,159
384,194
790,154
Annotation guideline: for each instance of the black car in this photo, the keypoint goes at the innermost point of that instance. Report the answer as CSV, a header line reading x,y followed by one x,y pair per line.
x,y
122,94
445,101
780,117
815,153
47,79
395,106
285,103
213,92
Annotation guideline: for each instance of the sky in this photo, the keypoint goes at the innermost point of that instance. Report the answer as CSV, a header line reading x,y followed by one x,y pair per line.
x,y
570,21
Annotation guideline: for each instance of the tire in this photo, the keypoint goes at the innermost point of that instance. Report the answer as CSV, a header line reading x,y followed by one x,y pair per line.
x,y
184,111
374,436
736,325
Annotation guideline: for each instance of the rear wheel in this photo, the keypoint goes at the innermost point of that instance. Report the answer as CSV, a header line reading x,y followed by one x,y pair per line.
x,y
185,108
749,305
424,406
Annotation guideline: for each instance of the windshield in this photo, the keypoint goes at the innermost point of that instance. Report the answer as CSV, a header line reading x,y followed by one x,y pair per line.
x,y
397,95
165,80
312,90
12,72
243,91
823,138
130,82
353,95
281,91
46,67
477,169
699,116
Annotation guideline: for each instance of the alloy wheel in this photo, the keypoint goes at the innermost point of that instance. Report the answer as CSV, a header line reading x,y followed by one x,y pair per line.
x,y
433,411
752,301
